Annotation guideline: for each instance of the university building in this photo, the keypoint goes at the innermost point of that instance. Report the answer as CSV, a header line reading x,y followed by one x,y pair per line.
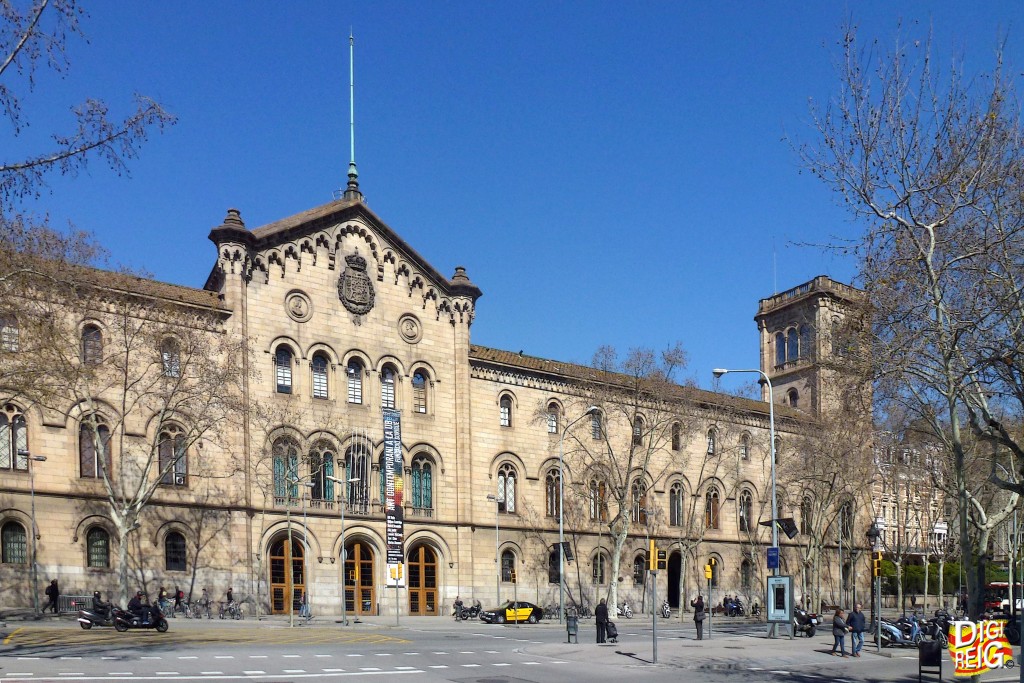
x,y
344,321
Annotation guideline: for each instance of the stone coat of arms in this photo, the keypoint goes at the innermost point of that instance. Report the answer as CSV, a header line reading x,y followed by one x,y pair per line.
x,y
355,289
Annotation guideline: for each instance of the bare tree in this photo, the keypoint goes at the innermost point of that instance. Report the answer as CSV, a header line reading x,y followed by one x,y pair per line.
x,y
932,163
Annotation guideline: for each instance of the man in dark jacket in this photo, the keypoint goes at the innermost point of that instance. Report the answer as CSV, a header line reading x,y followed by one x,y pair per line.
x,y
857,624
601,617
137,608
52,592
100,607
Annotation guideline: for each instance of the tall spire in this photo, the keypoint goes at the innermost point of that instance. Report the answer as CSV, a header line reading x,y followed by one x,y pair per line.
x,y
352,189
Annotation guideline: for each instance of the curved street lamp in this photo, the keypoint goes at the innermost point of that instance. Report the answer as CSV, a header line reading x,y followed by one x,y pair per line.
x,y
342,498
35,528
561,525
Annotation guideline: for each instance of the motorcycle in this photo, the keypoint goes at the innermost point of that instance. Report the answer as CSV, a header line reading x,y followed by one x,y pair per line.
x,y
755,611
893,636
472,612
805,622
937,628
625,610
734,609
88,618
666,610
124,620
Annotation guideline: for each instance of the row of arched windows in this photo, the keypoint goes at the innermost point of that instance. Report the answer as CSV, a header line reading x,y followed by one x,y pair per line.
x,y
294,474
14,547
91,350
792,345
320,369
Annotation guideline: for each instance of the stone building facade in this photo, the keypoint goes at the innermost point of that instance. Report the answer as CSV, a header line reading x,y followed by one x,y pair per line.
x,y
343,320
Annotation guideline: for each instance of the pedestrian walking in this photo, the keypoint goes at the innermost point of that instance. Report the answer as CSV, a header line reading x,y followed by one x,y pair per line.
x,y
699,615
839,631
52,592
857,623
601,617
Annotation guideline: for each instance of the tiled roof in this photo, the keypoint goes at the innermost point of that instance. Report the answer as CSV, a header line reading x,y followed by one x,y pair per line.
x,y
126,282
581,373
299,219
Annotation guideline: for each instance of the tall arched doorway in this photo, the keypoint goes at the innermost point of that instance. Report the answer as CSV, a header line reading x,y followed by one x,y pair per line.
x,y
287,575
675,565
360,594
422,576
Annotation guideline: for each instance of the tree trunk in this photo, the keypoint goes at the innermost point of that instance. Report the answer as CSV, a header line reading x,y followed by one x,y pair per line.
x,y
927,566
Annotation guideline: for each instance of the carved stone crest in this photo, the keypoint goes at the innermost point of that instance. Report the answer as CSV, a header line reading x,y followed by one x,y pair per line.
x,y
355,289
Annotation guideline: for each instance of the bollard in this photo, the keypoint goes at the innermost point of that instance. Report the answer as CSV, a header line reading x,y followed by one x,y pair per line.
x,y
572,628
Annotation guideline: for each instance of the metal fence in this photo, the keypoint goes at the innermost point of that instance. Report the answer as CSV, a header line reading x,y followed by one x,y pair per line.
x,y
72,603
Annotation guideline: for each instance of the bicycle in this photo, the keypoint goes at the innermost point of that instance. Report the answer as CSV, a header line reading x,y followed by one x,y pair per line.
x,y
198,609
231,610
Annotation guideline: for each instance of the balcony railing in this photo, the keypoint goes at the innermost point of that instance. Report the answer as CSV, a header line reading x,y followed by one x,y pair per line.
x,y
421,512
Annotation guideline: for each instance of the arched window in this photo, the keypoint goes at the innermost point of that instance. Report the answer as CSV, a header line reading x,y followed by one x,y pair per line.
x,y
93,460
321,469
419,392
286,468
175,558
780,349
13,544
354,371
505,409
598,501
745,447
170,356
92,345
10,335
746,511
639,569
318,369
675,505
507,488
283,369
172,456
97,543
357,462
508,565
553,418
711,502
677,436
387,387
638,499
712,442
552,494
805,342
638,431
595,425
746,575
13,440
422,485
792,345
597,568
793,397
806,515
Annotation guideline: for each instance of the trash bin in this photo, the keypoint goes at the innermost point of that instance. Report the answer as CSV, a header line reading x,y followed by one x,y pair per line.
x,y
572,629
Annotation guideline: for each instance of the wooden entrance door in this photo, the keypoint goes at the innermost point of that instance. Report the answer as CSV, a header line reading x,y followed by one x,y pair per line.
x,y
287,575
359,580
422,576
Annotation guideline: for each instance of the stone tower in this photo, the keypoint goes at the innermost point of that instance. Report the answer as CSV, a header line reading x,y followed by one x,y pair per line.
x,y
797,331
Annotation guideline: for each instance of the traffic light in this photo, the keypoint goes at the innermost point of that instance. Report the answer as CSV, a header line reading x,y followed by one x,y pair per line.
x,y
652,555
512,576
709,569
662,559
876,563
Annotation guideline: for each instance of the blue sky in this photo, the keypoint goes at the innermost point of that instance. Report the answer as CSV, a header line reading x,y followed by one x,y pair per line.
x,y
608,172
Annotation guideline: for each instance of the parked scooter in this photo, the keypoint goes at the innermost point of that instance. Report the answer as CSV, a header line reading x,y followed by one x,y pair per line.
x,y
804,622
937,628
755,610
734,608
666,610
625,610
88,618
124,620
893,636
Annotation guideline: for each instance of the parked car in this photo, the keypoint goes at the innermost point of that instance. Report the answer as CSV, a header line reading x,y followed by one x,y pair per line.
x,y
513,612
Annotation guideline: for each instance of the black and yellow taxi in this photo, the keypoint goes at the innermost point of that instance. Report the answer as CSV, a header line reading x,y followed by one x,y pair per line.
x,y
513,612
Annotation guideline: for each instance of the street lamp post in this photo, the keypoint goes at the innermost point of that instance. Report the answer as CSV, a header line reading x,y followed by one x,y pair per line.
x,y
342,497
561,524
35,529
718,372
874,534
497,558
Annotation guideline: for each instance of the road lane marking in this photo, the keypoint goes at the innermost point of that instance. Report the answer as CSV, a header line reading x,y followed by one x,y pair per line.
x,y
70,658
295,671
323,655
368,668
253,673
438,666
502,664
70,673
187,657
290,656
7,640
257,656
166,673
470,666
779,672
333,671
225,656
211,673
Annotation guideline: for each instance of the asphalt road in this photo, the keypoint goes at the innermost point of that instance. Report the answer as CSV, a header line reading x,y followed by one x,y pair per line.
x,y
429,650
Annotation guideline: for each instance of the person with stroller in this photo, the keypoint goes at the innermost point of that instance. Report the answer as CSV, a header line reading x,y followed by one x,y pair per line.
x,y
601,618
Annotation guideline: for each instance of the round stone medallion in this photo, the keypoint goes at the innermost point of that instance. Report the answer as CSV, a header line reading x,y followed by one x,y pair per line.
x,y
410,329
299,307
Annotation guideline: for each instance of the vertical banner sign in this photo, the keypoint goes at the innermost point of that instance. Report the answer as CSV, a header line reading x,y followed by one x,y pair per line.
x,y
393,485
